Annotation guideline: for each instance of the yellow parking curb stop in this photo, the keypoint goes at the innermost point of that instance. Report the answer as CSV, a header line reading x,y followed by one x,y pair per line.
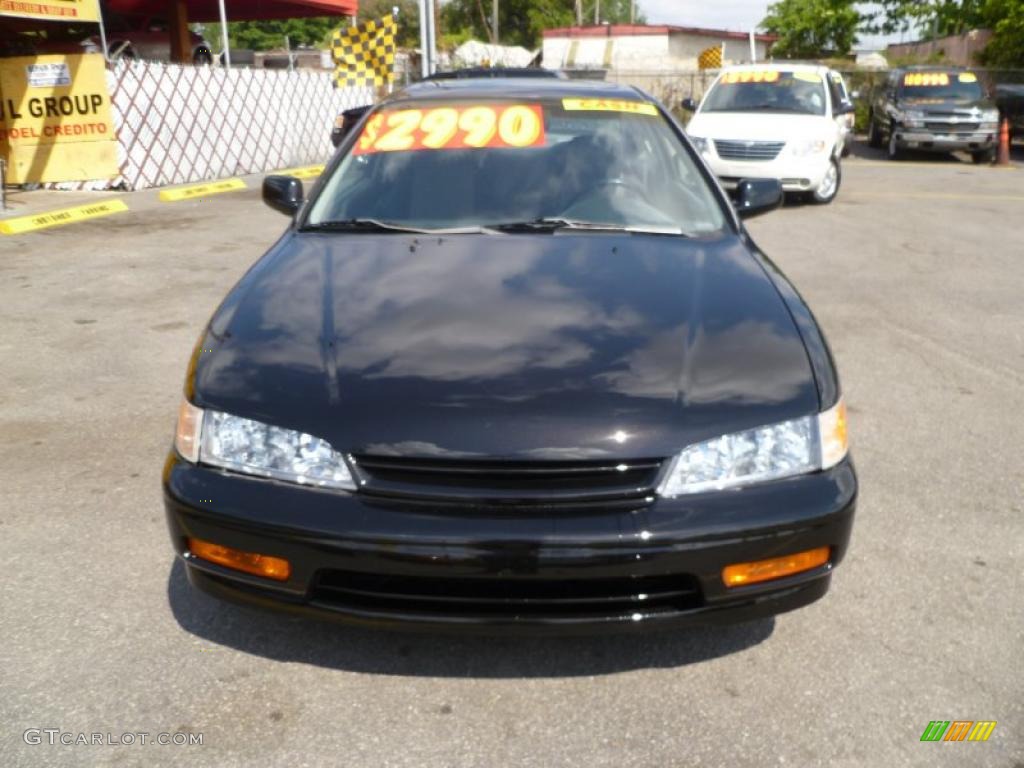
x,y
17,226
306,172
201,190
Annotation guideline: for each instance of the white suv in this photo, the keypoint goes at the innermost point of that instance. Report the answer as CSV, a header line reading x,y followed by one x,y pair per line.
x,y
774,121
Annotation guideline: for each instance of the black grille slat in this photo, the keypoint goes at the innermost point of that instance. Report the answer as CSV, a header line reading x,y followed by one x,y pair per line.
x,y
748,150
566,597
536,482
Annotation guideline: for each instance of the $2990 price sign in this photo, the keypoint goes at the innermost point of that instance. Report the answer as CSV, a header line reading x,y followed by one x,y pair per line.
x,y
455,127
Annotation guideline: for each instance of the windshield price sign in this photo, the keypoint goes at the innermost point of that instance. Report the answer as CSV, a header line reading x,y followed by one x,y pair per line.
x,y
456,127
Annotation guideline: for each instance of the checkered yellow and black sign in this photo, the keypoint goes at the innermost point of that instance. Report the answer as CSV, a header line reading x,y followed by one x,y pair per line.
x,y
364,55
711,58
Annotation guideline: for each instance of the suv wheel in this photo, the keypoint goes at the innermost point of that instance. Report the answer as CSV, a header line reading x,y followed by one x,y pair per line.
x,y
829,187
893,148
874,135
983,156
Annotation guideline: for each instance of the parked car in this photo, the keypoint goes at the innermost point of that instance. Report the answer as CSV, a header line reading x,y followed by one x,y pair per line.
x,y
516,364
935,109
127,38
773,121
345,122
1010,101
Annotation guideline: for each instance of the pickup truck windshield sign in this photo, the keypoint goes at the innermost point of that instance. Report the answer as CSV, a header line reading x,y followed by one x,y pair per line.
x,y
453,127
936,79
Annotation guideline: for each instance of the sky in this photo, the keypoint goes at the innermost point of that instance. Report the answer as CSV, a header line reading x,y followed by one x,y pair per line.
x,y
738,15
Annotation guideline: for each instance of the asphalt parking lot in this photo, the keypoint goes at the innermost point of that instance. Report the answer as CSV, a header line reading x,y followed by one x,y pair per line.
x,y
916,273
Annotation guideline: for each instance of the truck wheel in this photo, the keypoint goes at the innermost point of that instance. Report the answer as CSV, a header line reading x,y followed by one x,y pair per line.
x,y
829,187
874,135
893,148
983,156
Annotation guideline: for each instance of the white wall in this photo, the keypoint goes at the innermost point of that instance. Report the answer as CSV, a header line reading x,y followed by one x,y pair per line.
x,y
675,51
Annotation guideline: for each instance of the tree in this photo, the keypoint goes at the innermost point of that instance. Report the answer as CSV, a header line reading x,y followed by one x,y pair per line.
x,y
811,29
954,17
1006,48
521,22
939,17
408,18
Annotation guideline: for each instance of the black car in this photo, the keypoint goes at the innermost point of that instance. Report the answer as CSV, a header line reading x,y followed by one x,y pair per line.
x,y
935,109
516,363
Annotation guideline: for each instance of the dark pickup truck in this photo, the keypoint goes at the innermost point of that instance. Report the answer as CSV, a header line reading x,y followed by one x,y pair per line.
x,y
936,110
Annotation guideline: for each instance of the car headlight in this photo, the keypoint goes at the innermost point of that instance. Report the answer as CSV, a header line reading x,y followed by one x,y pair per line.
x,y
990,116
775,451
254,448
702,144
810,147
911,118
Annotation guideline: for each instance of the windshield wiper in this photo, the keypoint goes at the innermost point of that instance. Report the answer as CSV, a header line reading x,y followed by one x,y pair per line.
x,y
376,225
553,224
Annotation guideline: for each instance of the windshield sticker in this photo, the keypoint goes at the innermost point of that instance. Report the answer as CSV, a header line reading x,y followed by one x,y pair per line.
x,y
967,77
609,105
759,76
454,127
807,77
926,79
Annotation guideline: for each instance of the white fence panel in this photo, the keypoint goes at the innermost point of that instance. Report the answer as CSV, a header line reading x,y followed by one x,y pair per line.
x,y
178,124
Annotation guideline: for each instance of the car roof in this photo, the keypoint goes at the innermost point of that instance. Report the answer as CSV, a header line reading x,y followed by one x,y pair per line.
x,y
517,87
496,72
776,65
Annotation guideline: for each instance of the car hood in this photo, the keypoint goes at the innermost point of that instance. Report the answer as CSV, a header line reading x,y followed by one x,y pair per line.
x,y
947,105
519,346
760,126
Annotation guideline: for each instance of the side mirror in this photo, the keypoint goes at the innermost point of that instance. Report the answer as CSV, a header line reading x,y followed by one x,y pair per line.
x,y
689,105
844,108
283,193
757,196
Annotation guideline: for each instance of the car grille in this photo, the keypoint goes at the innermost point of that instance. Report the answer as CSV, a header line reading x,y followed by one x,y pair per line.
x,y
509,482
748,150
948,127
521,598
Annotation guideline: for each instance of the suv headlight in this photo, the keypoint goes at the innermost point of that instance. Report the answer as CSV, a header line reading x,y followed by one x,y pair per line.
x,y
989,119
911,118
254,448
702,144
809,147
793,447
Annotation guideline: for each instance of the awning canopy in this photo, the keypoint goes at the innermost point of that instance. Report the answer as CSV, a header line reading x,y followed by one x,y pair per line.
x,y
238,10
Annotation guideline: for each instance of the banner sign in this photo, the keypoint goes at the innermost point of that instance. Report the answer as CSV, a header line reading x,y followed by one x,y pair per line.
x,y
55,119
52,10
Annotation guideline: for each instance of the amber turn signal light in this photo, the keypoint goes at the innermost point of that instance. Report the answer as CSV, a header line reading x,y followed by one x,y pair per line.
x,y
274,568
765,570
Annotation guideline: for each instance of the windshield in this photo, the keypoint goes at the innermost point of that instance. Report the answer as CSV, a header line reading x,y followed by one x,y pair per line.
x,y
941,86
450,165
767,91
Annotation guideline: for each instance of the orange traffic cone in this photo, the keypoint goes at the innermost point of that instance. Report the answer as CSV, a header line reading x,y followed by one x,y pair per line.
x,y
1003,156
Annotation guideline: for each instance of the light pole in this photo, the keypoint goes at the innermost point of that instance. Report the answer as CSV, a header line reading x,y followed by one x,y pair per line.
x,y
494,21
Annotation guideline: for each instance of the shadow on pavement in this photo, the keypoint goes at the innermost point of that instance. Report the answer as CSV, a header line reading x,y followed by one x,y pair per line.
x,y
336,646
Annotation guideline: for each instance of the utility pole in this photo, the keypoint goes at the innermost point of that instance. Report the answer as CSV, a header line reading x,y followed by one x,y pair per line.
x,y
632,11
597,12
494,21
579,13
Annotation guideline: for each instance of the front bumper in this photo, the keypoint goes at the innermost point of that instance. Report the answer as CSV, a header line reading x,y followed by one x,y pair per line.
x,y
796,174
914,138
383,563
